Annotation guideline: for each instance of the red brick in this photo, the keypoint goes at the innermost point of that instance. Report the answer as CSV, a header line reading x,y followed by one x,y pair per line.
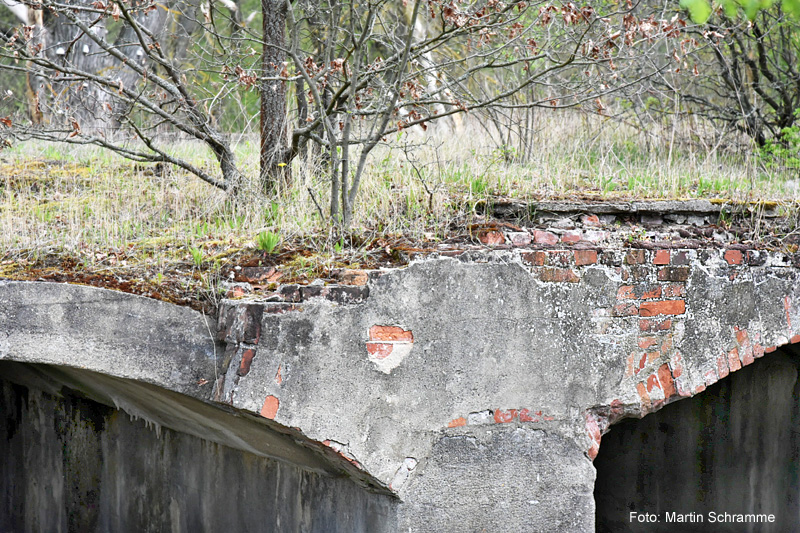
x,y
503,416
354,277
270,407
593,451
491,237
247,360
572,236
642,390
655,325
642,292
525,416
795,339
699,389
590,220
655,292
733,360
642,363
680,258
673,273
652,383
585,257
235,292
519,238
255,274
647,342
457,422
722,365
741,336
674,290
667,307
733,257
544,237
652,356
559,275
635,257
625,309
667,384
380,350
758,351
535,258
661,257
625,292
390,333
629,365
770,349
278,376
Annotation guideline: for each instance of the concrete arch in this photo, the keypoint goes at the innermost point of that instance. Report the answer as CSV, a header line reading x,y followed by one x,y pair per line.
x,y
724,460
476,387
457,381
160,364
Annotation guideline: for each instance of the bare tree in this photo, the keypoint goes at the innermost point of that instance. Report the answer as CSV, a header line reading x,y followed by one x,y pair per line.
x,y
377,69
86,87
356,72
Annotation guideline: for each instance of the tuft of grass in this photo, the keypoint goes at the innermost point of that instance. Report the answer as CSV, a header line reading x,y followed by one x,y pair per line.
x,y
197,256
267,241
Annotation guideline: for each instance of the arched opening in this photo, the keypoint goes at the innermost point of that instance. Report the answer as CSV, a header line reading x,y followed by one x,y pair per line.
x,y
724,460
83,451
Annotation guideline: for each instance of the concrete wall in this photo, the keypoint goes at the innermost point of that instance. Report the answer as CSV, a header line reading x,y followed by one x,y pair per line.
x,y
478,388
475,388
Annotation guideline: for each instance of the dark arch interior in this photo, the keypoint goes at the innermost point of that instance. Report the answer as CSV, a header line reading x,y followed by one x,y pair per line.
x,y
731,449
71,461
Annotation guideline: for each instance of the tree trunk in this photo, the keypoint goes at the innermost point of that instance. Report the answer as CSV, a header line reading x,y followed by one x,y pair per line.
x,y
274,152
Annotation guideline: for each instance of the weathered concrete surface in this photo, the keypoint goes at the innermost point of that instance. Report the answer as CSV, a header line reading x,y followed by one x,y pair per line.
x,y
557,344
476,388
110,332
70,463
732,449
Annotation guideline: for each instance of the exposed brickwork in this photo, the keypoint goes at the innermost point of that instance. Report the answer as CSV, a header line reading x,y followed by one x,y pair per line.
x,y
390,333
501,416
733,257
662,257
247,360
491,237
544,237
665,307
270,407
559,275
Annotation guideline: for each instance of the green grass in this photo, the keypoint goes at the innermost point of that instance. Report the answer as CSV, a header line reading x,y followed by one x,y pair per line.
x,y
87,200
